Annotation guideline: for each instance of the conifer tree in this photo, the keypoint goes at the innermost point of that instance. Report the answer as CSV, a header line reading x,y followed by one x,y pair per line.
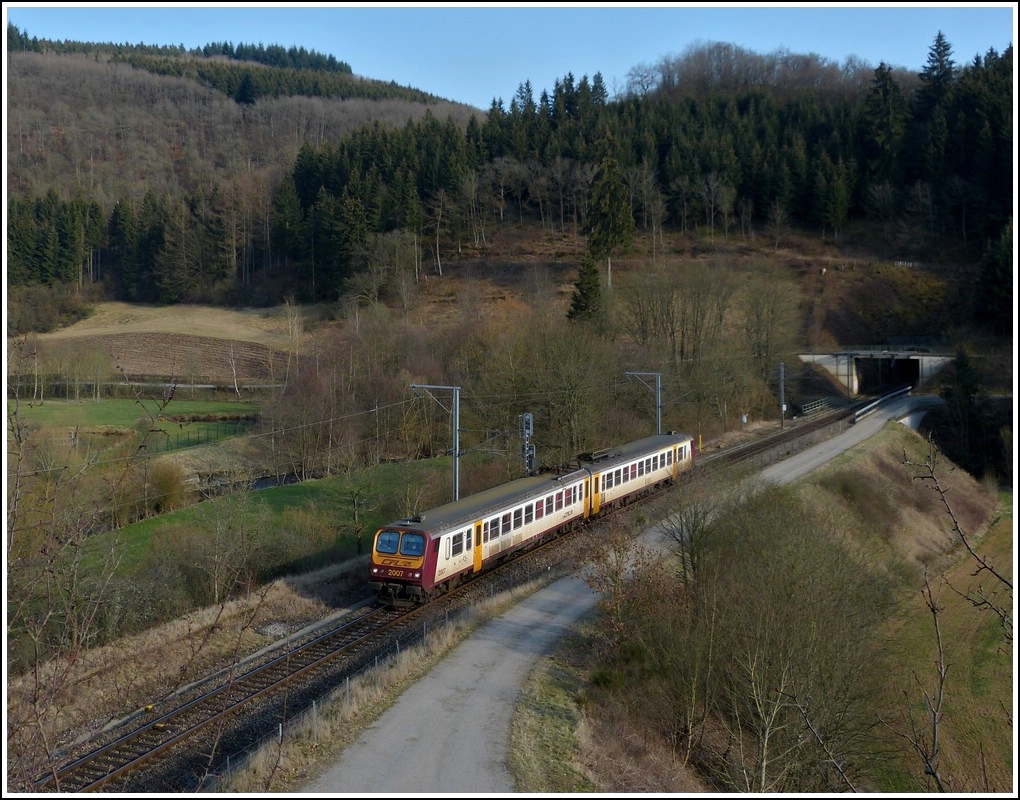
x,y
610,223
586,302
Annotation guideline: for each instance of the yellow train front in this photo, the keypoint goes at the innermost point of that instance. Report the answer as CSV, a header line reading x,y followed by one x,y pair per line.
x,y
417,559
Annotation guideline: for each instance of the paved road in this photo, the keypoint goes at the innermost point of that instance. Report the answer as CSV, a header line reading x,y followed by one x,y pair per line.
x,y
449,732
907,407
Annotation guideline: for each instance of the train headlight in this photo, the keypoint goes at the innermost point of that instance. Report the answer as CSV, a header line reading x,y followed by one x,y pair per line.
x,y
417,575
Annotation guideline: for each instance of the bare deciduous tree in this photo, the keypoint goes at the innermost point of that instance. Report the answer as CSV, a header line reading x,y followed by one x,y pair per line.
x,y
688,524
58,587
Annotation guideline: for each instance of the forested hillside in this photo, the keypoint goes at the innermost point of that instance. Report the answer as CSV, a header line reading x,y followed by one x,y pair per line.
x,y
246,175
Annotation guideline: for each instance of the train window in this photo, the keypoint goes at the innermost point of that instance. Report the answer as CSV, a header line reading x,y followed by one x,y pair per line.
x,y
549,505
458,544
506,524
412,544
518,518
467,538
607,482
641,468
539,510
529,513
387,542
633,471
559,500
655,462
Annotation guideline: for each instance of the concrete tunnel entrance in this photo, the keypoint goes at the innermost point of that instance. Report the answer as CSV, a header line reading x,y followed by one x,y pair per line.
x,y
878,371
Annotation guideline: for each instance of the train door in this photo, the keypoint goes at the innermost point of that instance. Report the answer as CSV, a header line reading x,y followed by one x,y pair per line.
x,y
595,479
478,547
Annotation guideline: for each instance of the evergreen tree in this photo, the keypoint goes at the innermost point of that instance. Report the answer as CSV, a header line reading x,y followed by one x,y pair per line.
x,y
936,77
289,229
122,234
246,93
610,223
176,267
586,302
884,124
996,284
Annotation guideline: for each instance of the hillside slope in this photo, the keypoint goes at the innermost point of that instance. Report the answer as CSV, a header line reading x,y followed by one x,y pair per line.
x,y
123,131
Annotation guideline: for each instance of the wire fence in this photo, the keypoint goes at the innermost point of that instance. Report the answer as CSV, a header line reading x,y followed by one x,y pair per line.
x,y
192,434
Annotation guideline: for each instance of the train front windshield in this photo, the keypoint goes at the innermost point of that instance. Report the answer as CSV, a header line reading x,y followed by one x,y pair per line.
x,y
394,543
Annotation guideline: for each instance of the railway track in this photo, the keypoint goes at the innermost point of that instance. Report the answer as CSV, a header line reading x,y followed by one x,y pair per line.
x,y
173,749
799,435
106,766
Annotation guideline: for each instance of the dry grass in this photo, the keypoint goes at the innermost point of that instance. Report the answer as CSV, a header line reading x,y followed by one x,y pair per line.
x,y
114,682
260,326
559,743
976,741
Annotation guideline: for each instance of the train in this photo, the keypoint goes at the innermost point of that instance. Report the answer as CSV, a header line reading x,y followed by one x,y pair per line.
x,y
417,559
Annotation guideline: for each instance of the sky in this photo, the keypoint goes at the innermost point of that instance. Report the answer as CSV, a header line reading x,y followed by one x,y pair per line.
x,y
474,53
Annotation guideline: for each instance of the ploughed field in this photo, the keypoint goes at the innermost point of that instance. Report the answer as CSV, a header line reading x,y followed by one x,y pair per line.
x,y
189,359
191,344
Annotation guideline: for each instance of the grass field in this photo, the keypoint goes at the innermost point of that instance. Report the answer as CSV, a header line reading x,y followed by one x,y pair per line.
x,y
103,422
327,500
976,750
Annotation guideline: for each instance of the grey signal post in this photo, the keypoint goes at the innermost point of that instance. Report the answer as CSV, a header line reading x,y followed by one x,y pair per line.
x,y
416,387
658,395
782,395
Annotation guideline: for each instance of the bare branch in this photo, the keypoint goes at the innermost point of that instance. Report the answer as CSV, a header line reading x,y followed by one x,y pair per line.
x,y
927,745
821,741
979,599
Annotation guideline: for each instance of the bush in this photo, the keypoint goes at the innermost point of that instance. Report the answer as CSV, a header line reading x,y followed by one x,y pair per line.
x,y
169,487
39,309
